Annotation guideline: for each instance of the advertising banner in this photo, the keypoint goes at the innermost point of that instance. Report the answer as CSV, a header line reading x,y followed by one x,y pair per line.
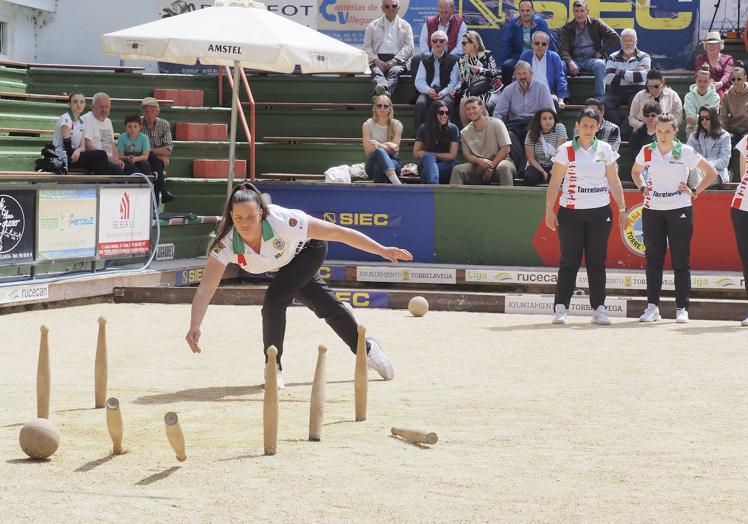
x,y
543,305
67,223
401,217
23,293
666,29
124,222
17,220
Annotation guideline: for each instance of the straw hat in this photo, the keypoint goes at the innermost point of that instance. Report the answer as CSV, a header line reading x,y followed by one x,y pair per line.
x,y
713,37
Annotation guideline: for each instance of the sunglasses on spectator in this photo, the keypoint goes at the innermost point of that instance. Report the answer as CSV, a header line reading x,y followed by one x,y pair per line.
x,y
737,79
655,86
439,40
704,117
541,43
651,115
391,6
382,106
443,111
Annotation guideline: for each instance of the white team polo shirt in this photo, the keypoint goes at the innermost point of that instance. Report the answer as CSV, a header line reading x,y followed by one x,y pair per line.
x,y
740,200
666,173
585,185
284,233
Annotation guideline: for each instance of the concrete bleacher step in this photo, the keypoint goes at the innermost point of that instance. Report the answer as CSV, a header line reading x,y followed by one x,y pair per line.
x,y
218,168
182,97
202,132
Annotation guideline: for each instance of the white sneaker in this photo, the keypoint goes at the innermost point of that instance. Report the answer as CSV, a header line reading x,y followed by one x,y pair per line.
x,y
651,314
377,361
560,316
600,316
744,322
681,315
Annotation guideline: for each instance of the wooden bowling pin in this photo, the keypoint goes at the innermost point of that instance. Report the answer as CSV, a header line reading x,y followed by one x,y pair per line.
x,y
175,435
100,372
317,402
43,376
270,403
114,424
361,376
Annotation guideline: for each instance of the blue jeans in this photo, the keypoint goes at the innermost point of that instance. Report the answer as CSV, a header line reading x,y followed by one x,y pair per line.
x,y
435,171
380,161
596,66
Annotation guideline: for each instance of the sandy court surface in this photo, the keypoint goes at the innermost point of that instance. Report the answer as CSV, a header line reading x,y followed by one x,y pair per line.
x,y
537,423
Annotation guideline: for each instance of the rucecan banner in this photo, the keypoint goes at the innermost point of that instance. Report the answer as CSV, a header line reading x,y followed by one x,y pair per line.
x,y
124,222
17,226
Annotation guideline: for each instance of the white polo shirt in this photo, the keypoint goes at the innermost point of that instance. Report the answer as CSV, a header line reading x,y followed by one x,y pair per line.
x,y
740,200
101,134
666,173
284,233
585,185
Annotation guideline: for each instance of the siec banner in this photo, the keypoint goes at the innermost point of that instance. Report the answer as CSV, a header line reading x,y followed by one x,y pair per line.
x,y
124,222
392,216
667,29
67,224
17,221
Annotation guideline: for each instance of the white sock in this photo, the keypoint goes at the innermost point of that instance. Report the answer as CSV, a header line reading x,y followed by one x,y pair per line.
x,y
392,177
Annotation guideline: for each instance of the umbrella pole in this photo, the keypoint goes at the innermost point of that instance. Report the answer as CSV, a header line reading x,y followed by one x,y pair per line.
x,y
232,143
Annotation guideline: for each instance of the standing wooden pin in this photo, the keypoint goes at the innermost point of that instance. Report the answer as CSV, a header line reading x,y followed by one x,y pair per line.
x,y
361,376
114,425
317,402
175,435
270,403
100,372
43,377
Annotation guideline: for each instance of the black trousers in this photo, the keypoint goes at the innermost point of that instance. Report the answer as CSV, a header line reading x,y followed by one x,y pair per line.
x,y
533,177
95,160
740,225
583,231
660,228
614,98
517,129
157,168
138,167
300,279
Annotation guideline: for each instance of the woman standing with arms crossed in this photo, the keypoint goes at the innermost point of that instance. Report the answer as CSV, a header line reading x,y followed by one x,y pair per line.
x,y
739,212
667,217
588,170
268,238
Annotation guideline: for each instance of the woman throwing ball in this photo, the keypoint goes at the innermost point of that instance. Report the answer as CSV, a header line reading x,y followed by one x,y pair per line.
x,y
667,217
739,212
268,238
588,170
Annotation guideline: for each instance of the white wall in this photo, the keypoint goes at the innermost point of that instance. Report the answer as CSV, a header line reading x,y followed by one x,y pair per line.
x,y
20,24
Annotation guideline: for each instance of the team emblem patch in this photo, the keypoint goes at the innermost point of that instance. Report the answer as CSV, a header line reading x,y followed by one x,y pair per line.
x,y
218,248
631,233
279,244
292,222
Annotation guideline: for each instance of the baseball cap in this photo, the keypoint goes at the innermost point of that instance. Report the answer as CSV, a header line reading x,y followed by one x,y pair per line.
x,y
149,101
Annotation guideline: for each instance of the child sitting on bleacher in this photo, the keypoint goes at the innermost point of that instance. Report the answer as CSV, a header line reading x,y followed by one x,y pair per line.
x,y
134,147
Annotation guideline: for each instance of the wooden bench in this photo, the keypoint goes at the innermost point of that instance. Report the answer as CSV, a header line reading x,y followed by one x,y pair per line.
x,y
322,139
64,98
42,176
322,105
115,68
14,131
291,176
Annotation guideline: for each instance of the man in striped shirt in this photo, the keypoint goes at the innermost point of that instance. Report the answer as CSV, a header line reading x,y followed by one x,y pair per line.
x,y
625,75
158,132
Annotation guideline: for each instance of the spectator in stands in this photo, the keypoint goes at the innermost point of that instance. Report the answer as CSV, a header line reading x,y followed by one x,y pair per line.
x,y
518,37
646,133
548,67
720,66
99,132
584,43
656,91
478,73
608,132
134,147
436,145
732,110
446,21
381,140
158,132
713,143
625,75
70,144
701,93
436,78
388,42
517,104
485,146
544,137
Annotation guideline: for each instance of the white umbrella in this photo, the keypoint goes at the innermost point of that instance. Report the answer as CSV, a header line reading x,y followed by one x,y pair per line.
x,y
238,33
